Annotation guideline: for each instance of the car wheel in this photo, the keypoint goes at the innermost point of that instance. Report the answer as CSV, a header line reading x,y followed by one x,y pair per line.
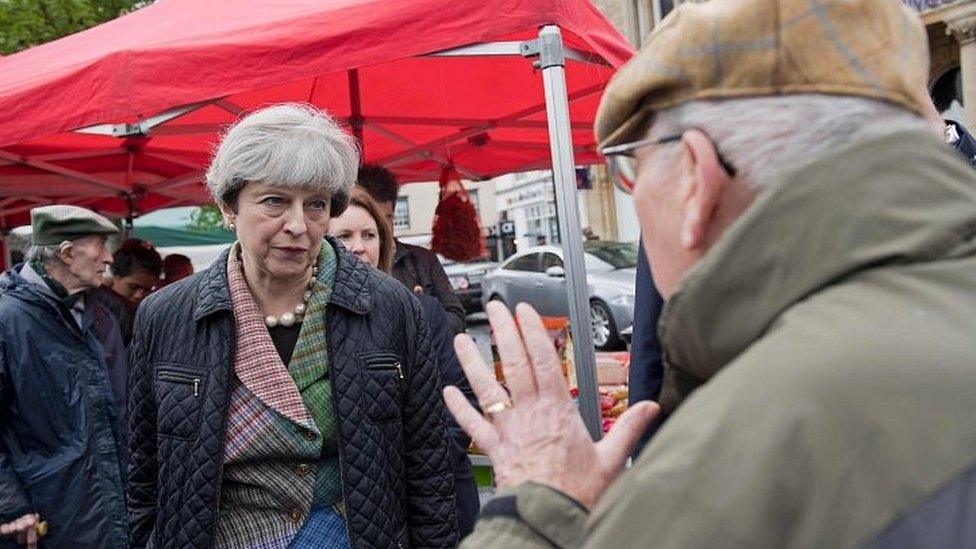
x,y
605,335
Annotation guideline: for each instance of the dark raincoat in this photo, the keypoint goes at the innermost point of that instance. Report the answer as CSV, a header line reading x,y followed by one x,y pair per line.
x,y
61,437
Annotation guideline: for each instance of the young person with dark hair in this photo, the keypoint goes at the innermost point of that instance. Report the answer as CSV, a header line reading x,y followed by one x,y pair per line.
x,y
135,271
416,268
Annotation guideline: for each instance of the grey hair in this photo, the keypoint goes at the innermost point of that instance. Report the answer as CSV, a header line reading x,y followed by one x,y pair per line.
x,y
288,145
44,254
765,136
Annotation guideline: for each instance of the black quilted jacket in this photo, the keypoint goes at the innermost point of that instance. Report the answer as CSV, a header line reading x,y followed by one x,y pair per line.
x,y
393,448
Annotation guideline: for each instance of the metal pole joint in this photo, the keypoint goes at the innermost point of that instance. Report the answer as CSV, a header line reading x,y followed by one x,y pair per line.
x,y
548,48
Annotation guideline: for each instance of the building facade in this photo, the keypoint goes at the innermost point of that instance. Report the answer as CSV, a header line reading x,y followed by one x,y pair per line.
x,y
528,200
417,202
951,26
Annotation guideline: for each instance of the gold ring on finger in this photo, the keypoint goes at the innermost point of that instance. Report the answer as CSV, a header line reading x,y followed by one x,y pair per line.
x,y
500,406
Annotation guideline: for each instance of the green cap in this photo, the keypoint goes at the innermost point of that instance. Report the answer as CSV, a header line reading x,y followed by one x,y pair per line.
x,y
52,225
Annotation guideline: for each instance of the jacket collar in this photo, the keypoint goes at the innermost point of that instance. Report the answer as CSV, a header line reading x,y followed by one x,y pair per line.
x,y
353,291
24,284
256,361
213,295
902,198
401,251
355,281
18,281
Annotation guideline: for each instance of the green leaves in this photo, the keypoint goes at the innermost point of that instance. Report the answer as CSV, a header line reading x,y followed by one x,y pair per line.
x,y
28,23
206,218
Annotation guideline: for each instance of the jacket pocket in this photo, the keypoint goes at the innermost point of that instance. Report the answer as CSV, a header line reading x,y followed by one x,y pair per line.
x,y
179,392
382,375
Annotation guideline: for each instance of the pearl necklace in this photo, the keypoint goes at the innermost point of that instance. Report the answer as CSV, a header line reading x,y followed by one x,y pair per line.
x,y
290,318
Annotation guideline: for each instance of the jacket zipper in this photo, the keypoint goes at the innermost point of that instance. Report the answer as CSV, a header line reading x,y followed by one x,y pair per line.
x,y
383,363
178,377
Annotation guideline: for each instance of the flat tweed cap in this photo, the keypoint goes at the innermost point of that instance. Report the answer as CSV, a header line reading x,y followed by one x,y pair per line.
x,y
52,225
725,49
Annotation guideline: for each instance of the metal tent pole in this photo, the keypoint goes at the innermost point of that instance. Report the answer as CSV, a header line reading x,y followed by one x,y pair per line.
x,y
5,245
551,60
356,108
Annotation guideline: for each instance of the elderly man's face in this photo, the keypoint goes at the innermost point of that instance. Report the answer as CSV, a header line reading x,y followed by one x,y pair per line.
x,y
685,199
86,259
658,203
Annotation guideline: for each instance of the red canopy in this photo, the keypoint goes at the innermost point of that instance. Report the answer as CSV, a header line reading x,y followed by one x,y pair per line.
x,y
122,117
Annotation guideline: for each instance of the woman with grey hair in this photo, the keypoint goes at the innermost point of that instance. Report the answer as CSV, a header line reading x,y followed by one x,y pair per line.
x,y
286,396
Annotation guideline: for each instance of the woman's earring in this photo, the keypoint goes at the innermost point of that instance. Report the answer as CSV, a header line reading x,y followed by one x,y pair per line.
x,y
231,226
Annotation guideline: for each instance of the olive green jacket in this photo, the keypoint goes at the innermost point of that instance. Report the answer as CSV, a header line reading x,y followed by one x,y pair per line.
x,y
824,355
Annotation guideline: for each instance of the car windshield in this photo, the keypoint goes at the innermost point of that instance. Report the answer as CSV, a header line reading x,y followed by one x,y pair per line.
x,y
620,255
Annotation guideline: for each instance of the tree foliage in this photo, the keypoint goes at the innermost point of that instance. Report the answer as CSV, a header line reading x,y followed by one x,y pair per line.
x,y
27,23
206,218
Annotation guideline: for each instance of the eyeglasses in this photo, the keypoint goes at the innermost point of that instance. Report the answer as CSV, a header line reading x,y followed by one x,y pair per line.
x,y
623,163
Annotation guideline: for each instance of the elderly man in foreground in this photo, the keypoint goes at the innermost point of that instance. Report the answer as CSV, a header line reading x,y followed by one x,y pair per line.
x,y
816,245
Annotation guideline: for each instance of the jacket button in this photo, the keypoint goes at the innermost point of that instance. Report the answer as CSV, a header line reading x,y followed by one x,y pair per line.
x,y
309,435
295,515
303,469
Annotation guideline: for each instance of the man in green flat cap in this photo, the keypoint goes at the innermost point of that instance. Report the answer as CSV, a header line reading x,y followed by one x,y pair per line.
x,y
815,242
62,389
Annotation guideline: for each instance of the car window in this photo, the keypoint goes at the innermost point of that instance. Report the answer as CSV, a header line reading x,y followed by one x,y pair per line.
x,y
619,255
525,263
550,259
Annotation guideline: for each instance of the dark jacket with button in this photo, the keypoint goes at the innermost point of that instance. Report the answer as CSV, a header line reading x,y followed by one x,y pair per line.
x,y
394,450
418,267
646,362
465,488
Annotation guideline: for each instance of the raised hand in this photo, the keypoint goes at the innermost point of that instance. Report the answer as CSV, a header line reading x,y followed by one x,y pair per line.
x,y
535,434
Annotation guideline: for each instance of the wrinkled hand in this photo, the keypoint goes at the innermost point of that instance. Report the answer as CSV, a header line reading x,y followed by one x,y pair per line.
x,y
541,437
24,529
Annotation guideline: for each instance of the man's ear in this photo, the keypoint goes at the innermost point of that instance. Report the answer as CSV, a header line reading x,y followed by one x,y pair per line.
x,y
66,251
705,181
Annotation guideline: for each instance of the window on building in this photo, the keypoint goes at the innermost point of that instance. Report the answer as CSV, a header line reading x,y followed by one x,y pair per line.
x,y
665,6
473,193
401,215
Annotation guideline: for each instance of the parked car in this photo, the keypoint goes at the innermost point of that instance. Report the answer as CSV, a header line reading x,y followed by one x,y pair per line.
x,y
537,277
466,280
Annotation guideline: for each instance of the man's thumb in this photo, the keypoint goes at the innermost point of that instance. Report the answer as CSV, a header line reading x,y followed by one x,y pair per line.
x,y
623,436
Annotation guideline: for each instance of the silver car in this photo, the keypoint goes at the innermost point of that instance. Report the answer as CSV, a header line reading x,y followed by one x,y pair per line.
x,y
466,280
537,277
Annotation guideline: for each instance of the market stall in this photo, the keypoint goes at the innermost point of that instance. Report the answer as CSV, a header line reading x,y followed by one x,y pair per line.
x,y
121,118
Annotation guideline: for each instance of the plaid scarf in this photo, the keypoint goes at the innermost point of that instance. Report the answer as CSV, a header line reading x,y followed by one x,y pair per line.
x,y
309,367
281,426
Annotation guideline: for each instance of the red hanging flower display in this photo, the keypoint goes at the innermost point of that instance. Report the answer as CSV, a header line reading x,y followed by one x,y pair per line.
x,y
456,231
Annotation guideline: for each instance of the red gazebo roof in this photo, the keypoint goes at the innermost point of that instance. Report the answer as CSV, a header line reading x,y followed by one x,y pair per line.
x,y
123,117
